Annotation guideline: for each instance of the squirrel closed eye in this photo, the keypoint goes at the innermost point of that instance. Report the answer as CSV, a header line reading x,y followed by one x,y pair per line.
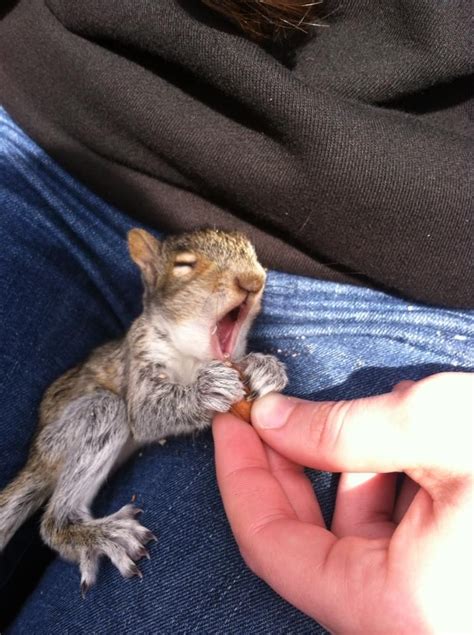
x,y
184,264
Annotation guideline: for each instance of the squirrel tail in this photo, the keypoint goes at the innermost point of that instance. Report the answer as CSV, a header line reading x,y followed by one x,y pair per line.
x,y
20,499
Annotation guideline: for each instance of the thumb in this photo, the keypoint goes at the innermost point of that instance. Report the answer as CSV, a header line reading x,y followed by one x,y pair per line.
x,y
364,435
401,431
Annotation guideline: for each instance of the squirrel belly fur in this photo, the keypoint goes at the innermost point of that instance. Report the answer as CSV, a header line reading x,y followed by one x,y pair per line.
x,y
167,376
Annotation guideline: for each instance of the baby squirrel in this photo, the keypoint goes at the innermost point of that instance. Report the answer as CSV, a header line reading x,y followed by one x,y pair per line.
x,y
167,376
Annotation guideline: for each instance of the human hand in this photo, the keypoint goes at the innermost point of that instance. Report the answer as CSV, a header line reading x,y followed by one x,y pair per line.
x,y
389,564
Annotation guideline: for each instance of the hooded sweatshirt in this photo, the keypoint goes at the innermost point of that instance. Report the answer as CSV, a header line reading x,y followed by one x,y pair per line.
x,y
345,157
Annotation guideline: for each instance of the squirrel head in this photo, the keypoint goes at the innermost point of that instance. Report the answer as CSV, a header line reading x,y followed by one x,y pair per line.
x,y
203,288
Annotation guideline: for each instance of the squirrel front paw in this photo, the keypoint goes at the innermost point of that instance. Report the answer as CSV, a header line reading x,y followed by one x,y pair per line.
x,y
219,386
263,374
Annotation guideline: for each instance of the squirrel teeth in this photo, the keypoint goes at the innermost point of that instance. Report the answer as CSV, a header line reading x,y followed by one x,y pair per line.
x,y
225,330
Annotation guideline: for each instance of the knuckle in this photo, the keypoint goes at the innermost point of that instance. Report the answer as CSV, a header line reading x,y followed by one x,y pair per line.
x,y
443,387
325,423
252,540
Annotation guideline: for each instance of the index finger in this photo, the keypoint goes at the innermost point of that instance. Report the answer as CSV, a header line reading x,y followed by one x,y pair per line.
x,y
242,467
299,560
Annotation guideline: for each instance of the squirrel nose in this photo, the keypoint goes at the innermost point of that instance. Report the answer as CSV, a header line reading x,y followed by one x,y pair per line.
x,y
249,282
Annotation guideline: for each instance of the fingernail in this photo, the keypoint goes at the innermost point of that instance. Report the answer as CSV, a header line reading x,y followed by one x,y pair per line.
x,y
271,411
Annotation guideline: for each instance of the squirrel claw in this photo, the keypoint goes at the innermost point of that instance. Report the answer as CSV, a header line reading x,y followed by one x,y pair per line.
x,y
143,553
135,571
149,536
84,589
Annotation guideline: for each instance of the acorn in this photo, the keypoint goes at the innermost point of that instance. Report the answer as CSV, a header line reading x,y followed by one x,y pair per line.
x,y
242,408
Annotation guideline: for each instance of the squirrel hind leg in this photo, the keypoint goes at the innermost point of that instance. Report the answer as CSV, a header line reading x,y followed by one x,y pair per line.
x,y
101,433
22,497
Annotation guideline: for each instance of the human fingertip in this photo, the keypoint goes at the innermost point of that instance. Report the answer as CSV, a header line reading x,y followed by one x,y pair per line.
x,y
272,411
224,422
222,417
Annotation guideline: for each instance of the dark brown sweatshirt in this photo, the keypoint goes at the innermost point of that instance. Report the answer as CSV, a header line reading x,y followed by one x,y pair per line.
x,y
347,157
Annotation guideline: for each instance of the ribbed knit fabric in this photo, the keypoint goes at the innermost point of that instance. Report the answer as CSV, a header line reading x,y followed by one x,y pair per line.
x,y
354,153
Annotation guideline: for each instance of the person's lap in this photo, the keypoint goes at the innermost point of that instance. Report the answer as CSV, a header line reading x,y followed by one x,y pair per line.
x,y
66,285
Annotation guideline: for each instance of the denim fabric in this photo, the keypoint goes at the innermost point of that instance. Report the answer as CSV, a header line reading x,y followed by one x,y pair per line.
x,y
66,285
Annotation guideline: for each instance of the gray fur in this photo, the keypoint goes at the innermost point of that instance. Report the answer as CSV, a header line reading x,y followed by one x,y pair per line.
x,y
100,432
160,380
158,408
264,374
20,499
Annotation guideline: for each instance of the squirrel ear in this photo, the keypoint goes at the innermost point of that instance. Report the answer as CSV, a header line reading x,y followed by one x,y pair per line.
x,y
145,251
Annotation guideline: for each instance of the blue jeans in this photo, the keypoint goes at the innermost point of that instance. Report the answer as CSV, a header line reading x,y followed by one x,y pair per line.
x,y
67,285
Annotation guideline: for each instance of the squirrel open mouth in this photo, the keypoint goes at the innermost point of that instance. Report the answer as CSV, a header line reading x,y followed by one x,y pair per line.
x,y
227,328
